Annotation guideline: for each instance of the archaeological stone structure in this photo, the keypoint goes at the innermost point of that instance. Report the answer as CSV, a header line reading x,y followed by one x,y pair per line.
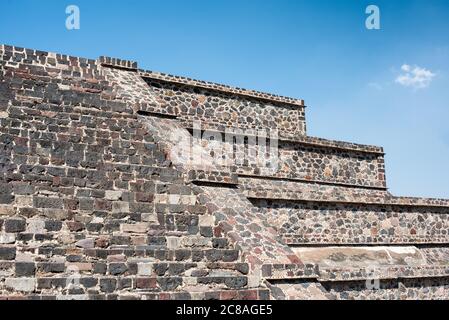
x,y
120,183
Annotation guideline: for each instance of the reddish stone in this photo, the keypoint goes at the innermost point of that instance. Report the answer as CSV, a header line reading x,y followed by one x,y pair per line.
x,y
228,295
248,295
16,298
57,161
294,259
19,141
218,232
103,205
253,261
146,283
75,226
56,181
102,242
71,204
164,296
144,197
63,137
44,161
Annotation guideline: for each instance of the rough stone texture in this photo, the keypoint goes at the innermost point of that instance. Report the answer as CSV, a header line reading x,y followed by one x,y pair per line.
x,y
234,215
404,289
100,198
325,223
306,162
222,109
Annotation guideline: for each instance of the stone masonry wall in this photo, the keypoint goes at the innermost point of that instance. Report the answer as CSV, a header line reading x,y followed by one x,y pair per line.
x,y
297,161
224,109
324,223
90,206
100,198
405,289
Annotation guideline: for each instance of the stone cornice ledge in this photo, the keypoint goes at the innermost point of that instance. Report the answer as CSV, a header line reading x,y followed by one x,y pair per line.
x,y
220,87
303,140
133,66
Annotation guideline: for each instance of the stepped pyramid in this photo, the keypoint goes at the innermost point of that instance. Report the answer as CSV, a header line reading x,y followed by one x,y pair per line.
x,y
121,183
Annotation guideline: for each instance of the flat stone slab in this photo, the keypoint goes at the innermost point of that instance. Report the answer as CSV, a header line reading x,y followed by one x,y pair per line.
x,y
361,257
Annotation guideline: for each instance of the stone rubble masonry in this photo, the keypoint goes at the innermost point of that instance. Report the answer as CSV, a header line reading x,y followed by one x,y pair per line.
x,y
99,198
220,109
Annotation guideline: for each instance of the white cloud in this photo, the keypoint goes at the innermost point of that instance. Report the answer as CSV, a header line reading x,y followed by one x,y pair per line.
x,y
405,68
415,77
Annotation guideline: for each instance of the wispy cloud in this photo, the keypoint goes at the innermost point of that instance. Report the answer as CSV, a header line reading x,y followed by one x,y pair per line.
x,y
415,77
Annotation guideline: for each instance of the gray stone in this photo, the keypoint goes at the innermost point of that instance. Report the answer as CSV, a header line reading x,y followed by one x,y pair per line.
x,y
15,225
85,243
21,284
25,269
7,253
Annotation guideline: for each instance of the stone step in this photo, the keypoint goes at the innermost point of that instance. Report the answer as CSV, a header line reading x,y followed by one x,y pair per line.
x,y
139,267
243,294
9,253
298,290
76,284
218,177
186,255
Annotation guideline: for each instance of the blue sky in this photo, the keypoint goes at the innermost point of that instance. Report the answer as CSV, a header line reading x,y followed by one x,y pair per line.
x,y
317,50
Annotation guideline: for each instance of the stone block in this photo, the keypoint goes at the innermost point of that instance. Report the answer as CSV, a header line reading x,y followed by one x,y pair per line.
x,y
55,214
117,268
161,198
7,238
7,253
51,267
134,228
52,225
119,207
173,242
21,284
150,217
24,201
146,283
79,266
145,269
88,282
108,285
169,284
36,225
7,210
25,269
113,195
174,199
48,203
15,225
85,243
236,282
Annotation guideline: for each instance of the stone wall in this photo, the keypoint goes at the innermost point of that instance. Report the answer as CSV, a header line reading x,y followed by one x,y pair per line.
x,y
406,289
326,223
90,206
100,198
222,109
253,155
